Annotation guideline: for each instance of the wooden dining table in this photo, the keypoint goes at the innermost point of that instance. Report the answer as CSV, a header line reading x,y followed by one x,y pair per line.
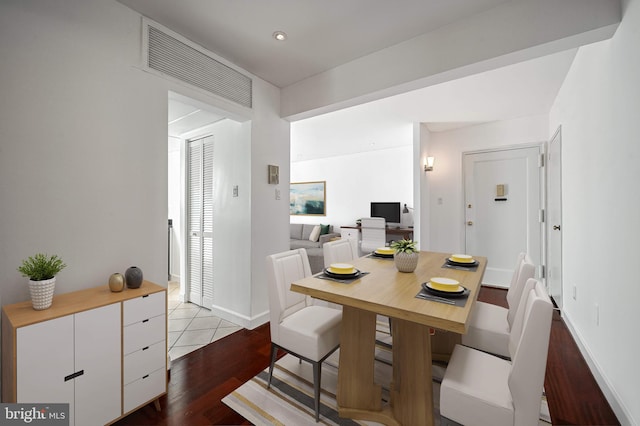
x,y
383,290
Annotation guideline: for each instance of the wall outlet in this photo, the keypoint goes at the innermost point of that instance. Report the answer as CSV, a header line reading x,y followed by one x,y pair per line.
x,y
277,194
235,190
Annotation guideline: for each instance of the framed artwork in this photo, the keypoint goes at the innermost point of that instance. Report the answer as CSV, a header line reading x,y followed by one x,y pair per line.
x,y
308,198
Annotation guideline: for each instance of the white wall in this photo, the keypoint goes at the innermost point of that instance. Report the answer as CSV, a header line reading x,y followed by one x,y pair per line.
x,y
445,215
83,137
231,274
174,203
83,152
270,143
355,180
598,107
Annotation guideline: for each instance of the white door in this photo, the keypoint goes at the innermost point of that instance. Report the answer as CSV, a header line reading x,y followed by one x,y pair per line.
x,y
200,221
502,209
45,360
554,219
98,336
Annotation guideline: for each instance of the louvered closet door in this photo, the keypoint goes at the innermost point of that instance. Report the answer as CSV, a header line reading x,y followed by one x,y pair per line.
x,y
200,221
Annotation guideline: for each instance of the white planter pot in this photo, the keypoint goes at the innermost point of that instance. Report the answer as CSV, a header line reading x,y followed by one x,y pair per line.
x,y
406,262
42,293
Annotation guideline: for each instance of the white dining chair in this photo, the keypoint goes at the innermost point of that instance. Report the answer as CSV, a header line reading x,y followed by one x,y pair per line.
x,y
373,232
339,251
344,251
482,389
489,324
307,331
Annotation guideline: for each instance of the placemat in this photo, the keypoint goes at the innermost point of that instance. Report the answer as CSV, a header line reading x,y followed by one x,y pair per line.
x,y
324,276
379,257
453,301
460,267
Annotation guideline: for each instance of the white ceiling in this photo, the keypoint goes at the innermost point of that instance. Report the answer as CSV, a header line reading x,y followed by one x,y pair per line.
x,y
520,90
328,33
185,118
322,33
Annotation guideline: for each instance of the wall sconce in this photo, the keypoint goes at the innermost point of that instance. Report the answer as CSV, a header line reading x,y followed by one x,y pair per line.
x,y
428,165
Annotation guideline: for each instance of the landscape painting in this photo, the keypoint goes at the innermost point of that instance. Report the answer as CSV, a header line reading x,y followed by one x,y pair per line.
x,y
308,198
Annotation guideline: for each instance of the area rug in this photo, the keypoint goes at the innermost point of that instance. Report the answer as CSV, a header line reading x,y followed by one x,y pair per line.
x,y
289,401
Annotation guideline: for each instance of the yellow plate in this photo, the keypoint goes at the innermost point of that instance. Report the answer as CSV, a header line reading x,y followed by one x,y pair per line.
x,y
341,268
444,284
459,289
385,250
462,258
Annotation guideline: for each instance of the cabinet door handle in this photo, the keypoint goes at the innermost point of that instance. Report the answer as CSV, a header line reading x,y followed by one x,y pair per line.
x,y
146,295
145,348
74,375
147,320
144,377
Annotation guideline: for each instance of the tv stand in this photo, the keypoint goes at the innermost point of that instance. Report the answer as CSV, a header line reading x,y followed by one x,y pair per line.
x,y
353,232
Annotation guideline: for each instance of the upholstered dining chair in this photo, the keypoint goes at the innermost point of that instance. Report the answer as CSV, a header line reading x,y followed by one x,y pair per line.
x,y
373,233
490,325
344,251
339,251
307,331
482,389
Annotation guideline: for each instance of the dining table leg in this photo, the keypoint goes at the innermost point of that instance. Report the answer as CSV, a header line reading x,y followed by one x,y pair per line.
x,y
412,385
358,396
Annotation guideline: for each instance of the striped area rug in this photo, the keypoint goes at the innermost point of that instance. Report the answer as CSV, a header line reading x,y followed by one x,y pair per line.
x,y
289,401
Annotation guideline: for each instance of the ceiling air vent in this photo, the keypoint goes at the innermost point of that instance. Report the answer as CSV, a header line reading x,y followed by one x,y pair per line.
x,y
177,59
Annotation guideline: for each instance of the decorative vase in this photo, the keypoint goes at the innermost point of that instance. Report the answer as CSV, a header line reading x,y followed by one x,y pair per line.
x,y
42,293
116,282
406,262
133,277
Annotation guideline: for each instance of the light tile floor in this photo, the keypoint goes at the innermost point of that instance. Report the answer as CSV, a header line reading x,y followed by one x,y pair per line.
x,y
192,327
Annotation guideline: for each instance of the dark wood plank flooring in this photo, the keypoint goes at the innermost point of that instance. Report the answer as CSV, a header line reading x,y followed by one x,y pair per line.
x,y
199,380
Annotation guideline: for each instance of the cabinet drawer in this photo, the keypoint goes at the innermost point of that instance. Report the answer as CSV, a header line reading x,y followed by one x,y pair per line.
x,y
144,307
144,361
145,389
144,333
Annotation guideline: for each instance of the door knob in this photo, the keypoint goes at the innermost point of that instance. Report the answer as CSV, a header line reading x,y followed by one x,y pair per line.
x,y
470,223
556,227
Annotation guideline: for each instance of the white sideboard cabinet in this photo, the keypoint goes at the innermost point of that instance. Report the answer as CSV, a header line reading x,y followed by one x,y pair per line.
x,y
103,353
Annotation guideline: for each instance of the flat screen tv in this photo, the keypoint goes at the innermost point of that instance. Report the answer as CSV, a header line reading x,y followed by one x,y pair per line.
x,y
389,211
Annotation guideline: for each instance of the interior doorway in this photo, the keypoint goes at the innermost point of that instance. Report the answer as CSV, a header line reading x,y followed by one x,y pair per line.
x,y
190,325
502,191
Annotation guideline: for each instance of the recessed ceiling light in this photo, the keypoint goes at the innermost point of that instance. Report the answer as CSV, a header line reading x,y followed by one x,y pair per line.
x,y
280,35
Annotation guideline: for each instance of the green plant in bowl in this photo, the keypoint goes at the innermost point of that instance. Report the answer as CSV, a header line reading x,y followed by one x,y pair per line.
x,y
41,267
405,246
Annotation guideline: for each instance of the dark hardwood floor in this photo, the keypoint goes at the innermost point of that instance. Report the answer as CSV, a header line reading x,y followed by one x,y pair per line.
x,y
199,380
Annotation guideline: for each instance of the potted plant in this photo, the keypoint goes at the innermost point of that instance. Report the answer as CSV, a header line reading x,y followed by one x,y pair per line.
x,y
406,255
41,269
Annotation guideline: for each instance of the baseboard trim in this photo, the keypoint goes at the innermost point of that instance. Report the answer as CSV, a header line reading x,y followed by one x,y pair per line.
x,y
621,411
242,320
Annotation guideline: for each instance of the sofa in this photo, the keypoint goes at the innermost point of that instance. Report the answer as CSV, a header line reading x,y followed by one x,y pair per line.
x,y
300,238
